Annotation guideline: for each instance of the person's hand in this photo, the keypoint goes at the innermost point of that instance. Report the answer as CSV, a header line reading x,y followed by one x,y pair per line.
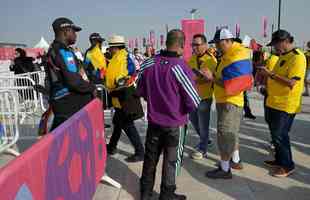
x,y
95,93
207,74
264,71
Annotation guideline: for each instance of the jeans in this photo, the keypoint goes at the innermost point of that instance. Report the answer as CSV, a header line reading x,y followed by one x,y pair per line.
x,y
122,123
160,139
280,124
200,118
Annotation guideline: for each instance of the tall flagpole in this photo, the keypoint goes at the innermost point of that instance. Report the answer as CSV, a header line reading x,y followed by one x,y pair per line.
x,y
279,14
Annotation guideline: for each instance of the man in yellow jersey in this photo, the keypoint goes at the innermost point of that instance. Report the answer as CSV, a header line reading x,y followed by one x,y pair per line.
x,y
284,87
307,79
119,80
235,57
200,118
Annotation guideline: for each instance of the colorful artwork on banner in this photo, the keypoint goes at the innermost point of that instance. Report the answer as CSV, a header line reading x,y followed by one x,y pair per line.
x,y
66,164
190,28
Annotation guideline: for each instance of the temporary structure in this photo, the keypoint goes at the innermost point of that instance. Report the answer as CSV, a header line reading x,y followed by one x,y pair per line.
x,y
42,44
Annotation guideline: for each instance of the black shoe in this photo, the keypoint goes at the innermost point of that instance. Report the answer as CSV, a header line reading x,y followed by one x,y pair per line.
x,y
146,195
135,158
219,174
111,150
249,115
172,196
107,126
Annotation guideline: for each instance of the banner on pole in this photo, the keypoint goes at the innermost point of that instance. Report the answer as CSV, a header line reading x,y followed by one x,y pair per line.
x,y
190,28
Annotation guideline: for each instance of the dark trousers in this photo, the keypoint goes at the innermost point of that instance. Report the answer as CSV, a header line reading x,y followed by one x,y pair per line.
x,y
246,106
280,124
160,139
67,106
121,122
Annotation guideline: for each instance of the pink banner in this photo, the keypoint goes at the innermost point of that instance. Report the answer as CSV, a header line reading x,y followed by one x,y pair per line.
x,y
238,30
152,38
265,25
190,28
9,53
66,164
162,40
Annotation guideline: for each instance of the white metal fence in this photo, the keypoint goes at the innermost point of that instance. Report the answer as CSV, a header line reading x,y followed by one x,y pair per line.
x,y
9,132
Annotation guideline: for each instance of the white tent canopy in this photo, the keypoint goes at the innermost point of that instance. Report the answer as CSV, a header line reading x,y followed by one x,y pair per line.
x,y
42,44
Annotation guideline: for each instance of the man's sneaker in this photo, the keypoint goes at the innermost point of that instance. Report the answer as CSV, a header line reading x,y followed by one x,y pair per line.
x,y
107,126
173,196
219,174
249,115
282,172
272,164
135,158
146,195
111,150
198,155
236,166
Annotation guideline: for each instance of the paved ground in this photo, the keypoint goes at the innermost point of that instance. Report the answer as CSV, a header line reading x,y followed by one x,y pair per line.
x,y
253,183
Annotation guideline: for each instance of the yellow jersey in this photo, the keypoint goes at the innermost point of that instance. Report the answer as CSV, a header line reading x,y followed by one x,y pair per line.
x,y
291,65
205,90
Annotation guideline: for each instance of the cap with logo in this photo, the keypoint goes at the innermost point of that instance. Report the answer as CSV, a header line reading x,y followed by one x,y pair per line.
x,y
62,22
116,41
221,34
279,36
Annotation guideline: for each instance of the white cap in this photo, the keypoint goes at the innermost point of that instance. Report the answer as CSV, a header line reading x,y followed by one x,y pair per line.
x,y
222,34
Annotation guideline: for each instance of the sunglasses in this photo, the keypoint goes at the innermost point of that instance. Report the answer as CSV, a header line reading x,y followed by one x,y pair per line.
x,y
196,44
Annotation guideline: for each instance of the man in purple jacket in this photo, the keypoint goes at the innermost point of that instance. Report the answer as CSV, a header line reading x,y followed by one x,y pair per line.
x,y
166,83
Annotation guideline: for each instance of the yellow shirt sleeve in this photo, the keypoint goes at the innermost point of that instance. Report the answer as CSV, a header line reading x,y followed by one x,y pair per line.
x,y
297,68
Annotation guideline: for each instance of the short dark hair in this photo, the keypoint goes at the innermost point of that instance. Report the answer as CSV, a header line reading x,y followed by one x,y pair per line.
x,y
21,51
175,37
201,36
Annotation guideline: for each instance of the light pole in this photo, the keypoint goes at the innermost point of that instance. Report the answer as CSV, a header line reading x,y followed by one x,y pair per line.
x,y
193,11
279,14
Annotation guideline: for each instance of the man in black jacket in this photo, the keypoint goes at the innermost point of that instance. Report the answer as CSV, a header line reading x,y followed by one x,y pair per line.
x,y
69,92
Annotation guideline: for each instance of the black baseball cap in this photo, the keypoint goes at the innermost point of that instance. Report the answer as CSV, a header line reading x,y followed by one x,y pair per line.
x,y
96,36
63,22
279,36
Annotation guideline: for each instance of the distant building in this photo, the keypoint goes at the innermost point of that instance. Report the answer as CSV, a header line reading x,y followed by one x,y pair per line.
x,y
12,45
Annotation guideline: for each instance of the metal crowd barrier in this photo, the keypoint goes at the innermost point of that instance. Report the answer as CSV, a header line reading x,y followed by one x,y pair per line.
x,y
39,79
26,97
9,132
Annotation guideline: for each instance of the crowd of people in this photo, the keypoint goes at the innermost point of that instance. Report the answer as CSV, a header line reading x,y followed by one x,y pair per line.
x,y
177,91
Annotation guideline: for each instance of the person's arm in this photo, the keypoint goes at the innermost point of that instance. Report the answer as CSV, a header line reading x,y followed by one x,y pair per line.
x,y
184,79
287,81
72,77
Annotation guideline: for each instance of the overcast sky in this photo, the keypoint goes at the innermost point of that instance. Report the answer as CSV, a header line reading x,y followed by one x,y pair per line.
x,y
25,21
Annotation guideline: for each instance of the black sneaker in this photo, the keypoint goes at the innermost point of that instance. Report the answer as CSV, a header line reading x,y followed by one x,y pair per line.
x,y
135,158
249,116
111,150
107,126
146,196
172,196
219,174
